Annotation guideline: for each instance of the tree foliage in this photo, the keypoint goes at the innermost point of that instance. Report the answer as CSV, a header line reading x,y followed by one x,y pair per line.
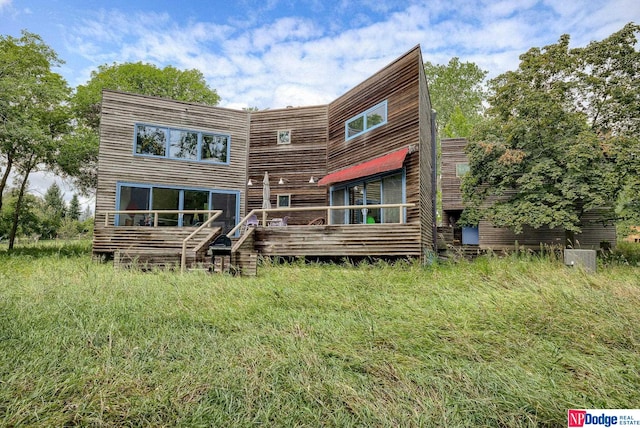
x,y
54,201
31,96
457,94
33,113
80,158
42,217
560,136
143,79
74,212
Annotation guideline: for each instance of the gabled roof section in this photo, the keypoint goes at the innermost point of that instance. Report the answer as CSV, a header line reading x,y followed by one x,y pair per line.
x,y
388,162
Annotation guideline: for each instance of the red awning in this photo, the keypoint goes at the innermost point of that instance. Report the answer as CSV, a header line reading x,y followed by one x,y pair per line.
x,y
384,163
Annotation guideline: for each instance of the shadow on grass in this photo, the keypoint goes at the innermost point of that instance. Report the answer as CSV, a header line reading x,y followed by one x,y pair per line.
x,y
71,248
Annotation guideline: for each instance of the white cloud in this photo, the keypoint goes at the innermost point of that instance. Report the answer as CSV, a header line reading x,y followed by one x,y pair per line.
x,y
4,3
293,60
40,181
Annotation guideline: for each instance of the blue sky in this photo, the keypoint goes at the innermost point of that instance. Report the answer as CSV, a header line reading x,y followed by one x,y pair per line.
x,y
276,53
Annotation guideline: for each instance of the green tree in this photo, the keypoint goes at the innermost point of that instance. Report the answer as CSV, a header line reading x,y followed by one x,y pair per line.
x,y
457,94
608,93
32,222
54,201
25,71
552,147
74,211
32,111
79,160
53,210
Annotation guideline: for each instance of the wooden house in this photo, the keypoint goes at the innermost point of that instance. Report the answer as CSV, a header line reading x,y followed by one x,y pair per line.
x,y
454,164
351,178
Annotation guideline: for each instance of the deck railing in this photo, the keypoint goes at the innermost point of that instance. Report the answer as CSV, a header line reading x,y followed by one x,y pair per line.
x,y
155,215
263,214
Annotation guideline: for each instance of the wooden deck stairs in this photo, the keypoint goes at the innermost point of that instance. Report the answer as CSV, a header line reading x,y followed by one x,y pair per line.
x,y
148,248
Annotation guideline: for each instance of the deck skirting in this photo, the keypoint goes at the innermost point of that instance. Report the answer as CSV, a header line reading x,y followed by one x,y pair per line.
x,y
339,240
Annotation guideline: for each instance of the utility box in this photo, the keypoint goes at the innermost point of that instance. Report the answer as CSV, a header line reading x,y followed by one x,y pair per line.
x,y
470,236
586,259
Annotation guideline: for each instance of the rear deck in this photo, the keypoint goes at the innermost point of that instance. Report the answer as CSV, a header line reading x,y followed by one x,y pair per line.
x,y
186,247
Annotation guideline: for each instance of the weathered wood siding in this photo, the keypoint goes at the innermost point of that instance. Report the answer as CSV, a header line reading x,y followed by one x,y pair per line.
x,y
317,147
117,163
339,240
497,238
452,153
427,165
295,163
595,231
398,84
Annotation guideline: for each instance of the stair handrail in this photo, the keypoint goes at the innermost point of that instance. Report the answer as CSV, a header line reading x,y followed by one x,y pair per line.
x,y
242,222
183,258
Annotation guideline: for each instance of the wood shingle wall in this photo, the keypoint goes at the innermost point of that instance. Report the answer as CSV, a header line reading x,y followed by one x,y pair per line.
x,y
452,153
401,85
427,166
117,163
295,163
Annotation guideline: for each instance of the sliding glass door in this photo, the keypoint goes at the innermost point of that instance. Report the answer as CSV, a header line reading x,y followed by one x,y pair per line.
x,y
144,197
375,190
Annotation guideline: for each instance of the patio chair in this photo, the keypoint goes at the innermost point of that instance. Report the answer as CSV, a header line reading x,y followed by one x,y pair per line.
x,y
252,221
317,221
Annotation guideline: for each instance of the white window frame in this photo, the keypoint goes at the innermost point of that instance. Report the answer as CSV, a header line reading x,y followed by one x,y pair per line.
x,y
284,136
365,126
287,195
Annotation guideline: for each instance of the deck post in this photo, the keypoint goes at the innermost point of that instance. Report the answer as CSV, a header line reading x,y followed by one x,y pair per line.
x,y
264,218
106,219
183,257
155,220
401,214
328,215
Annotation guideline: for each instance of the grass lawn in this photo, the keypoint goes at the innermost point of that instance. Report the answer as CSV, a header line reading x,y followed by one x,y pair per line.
x,y
497,342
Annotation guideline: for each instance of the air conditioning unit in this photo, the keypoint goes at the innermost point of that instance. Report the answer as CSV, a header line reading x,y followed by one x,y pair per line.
x,y
585,259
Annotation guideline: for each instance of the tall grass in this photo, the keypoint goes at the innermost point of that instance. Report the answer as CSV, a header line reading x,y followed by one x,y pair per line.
x,y
496,342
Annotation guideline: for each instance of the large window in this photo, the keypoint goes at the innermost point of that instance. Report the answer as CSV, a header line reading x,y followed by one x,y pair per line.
x,y
152,140
366,121
142,197
382,189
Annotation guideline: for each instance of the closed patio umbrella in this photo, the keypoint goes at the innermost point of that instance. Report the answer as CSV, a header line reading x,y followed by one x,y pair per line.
x,y
266,192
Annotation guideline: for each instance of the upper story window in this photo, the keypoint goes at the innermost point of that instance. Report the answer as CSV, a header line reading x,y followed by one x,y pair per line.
x,y
284,136
366,121
152,140
462,169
